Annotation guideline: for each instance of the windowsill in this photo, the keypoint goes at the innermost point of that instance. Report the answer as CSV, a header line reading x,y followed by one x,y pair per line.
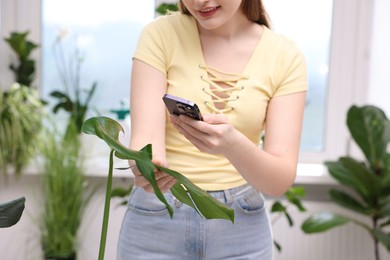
x,y
313,173
97,166
307,174
313,177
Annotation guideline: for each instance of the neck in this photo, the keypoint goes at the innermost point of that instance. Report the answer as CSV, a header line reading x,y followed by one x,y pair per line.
x,y
236,26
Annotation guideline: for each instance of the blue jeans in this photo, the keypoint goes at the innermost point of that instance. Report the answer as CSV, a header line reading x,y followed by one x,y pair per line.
x,y
149,233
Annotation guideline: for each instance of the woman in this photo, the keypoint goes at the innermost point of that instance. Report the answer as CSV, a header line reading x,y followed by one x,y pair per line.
x,y
247,81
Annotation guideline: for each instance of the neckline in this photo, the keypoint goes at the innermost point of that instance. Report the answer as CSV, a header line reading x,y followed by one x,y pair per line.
x,y
247,65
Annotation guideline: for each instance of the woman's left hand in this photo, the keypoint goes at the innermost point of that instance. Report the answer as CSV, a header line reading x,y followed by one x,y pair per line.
x,y
212,135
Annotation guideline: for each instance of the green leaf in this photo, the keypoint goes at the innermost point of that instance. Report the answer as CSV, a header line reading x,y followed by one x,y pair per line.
x,y
385,174
324,221
90,93
108,130
11,212
289,219
19,43
294,195
121,192
277,246
164,8
59,95
354,175
277,206
383,237
386,223
184,190
384,209
345,200
297,191
190,194
64,101
370,129
146,167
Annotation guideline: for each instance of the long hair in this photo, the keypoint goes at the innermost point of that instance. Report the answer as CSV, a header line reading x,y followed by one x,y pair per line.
x,y
253,9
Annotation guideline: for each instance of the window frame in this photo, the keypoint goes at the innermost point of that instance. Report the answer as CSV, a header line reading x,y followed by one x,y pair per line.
x,y
348,67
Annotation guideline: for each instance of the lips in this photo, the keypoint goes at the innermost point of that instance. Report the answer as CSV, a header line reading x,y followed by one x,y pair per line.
x,y
208,11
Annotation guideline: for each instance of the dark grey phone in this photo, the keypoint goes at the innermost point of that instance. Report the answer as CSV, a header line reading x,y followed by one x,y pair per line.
x,y
180,106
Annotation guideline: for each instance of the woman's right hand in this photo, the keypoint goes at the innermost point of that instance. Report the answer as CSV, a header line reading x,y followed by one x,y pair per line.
x,y
164,181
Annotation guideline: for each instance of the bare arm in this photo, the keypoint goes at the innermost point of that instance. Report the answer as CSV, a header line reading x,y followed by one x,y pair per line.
x,y
148,85
271,170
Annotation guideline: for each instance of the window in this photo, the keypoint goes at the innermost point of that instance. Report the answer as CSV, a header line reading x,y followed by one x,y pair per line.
x,y
103,35
311,31
339,61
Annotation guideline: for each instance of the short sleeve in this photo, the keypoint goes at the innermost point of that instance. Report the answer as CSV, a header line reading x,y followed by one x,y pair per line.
x,y
150,47
291,70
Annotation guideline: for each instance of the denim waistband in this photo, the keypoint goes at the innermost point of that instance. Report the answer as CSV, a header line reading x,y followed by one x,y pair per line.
x,y
229,194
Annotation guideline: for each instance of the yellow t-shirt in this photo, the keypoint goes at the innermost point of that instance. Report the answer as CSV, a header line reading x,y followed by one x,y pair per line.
x,y
277,67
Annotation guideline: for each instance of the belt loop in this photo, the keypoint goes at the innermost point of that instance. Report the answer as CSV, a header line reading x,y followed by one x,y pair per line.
x,y
228,196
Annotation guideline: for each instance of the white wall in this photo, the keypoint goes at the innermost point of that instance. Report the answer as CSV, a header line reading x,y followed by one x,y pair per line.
x,y
379,83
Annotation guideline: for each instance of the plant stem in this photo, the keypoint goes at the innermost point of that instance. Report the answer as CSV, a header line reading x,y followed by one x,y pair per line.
x,y
376,244
106,214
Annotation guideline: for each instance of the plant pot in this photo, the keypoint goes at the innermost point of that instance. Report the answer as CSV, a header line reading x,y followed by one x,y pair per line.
x,y
70,257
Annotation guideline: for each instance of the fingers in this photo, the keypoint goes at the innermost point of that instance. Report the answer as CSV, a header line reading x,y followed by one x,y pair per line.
x,y
189,127
215,119
164,182
159,161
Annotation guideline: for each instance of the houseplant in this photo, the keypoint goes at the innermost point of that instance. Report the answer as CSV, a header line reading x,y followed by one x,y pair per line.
x,y
21,111
280,208
74,99
367,181
66,193
25,69
20,108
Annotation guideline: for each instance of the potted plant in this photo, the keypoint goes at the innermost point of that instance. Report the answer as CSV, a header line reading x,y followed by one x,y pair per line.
x,y
63,179
367,181
25,69
21,111
74,99
66,194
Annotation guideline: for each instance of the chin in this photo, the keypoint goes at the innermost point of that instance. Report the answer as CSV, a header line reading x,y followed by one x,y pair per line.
x,y
210,25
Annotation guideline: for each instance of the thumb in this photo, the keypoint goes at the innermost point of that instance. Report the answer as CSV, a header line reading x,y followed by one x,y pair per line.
x,y
160,161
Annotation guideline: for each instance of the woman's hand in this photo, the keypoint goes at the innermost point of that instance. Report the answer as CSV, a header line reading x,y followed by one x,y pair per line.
x,y
164,181
212,135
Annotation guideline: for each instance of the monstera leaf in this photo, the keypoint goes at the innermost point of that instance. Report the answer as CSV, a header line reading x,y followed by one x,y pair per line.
x,y
11,212
184,190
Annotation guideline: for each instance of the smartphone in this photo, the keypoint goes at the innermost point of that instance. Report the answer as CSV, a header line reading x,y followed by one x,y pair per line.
x,y
180,106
